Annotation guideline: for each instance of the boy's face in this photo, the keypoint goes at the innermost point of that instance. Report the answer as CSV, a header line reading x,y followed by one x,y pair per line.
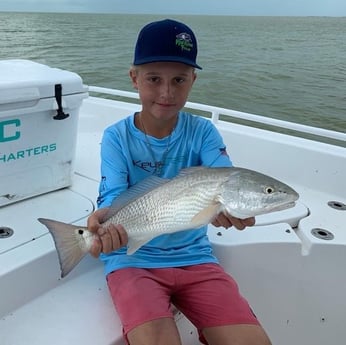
x,y
163,87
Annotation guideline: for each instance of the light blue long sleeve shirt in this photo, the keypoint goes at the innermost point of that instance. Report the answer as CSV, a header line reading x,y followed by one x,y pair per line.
x,y
126,159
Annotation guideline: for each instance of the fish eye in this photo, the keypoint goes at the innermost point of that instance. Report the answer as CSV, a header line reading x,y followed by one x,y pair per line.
x,y
269,190
81,232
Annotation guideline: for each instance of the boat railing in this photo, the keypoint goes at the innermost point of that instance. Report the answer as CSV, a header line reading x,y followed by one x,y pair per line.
x,y
217,112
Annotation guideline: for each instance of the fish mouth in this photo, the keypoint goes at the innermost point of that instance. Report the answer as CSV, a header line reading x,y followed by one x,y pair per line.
x,y
269,209
284,206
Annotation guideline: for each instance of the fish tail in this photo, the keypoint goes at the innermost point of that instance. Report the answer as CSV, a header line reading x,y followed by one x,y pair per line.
x,y
69,250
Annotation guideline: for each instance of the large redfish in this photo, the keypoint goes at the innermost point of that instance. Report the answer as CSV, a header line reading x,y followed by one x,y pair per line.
x,y
158,206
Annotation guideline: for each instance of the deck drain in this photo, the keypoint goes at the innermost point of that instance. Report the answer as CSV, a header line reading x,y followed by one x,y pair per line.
x,y
322,234
338,205
5,232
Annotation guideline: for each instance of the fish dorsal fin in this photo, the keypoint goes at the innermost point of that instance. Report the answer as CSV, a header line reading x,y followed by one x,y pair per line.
x,y
134,192
191,170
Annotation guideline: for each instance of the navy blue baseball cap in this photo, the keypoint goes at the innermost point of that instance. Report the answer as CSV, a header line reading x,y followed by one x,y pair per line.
x,y
166,40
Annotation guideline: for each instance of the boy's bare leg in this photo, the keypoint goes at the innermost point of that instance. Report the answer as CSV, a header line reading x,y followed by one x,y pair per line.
x,y
236,335
156,332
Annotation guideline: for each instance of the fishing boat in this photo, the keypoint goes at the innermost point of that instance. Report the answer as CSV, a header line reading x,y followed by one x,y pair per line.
x,y
290,265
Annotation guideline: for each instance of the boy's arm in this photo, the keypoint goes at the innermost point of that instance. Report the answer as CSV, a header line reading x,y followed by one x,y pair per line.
x,y
113,182
114,171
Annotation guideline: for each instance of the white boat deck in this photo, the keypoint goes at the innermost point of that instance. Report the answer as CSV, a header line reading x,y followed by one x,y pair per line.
x,y
294,281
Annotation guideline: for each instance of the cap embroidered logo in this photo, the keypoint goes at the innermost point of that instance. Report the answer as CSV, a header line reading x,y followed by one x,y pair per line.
x,y
184,41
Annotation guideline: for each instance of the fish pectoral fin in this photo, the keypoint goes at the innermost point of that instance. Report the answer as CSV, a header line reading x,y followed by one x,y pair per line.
x,y
205,216
66,243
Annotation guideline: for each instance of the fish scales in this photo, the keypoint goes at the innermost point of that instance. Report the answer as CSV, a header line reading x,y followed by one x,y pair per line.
x,y
170,208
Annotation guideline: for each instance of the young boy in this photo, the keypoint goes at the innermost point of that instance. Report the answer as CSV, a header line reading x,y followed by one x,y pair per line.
x,y
177,268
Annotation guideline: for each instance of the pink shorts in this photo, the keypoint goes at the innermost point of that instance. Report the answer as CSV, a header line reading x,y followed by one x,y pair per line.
x,y
204,293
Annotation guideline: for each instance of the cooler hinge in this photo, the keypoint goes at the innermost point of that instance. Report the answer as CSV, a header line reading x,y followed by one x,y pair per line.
x,y
60,115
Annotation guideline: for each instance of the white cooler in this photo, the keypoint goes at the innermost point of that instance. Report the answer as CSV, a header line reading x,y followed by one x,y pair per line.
x,y
39,108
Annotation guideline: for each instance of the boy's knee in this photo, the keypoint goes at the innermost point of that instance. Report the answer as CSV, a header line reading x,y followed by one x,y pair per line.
x,y
155,332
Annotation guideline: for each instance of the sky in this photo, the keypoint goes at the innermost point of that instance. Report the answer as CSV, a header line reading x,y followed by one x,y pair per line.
x,y
213,7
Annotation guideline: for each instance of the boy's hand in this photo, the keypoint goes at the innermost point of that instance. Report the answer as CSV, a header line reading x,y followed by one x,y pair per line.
x,y
111,238
227,221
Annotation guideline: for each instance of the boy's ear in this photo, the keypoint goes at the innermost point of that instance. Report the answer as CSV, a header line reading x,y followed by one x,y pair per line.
x,y
133,77
194,76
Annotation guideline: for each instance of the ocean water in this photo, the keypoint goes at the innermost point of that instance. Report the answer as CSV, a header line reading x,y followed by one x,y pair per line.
x,y
290,68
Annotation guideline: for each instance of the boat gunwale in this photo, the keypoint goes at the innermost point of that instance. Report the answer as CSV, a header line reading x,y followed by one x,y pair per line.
x,y
216,113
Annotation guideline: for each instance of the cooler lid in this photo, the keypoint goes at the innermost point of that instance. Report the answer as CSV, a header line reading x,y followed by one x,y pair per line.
x,y
25,80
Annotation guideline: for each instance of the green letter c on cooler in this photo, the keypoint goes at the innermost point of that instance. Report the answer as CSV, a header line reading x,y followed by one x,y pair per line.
x,y
8,130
